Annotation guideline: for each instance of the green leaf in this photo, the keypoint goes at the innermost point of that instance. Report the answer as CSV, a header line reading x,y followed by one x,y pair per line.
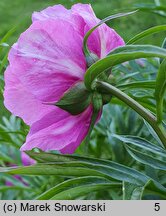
x,y
6,188
139,84
97,106
135,192
150,31
153,133
144,151
8,34
120,55
132,192
152,8
77,187
5,158
75,166
77,169
127,76
98,164
3,63
163,46
149,6
4,45
160,90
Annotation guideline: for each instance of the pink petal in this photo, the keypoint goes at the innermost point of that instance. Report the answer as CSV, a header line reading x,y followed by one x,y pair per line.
x,y
83,18
59,131
55,11
26,160
109,40
86,11
103,39
48,59
21,102
59,11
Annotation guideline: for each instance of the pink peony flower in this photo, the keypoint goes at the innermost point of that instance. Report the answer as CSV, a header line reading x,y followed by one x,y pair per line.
x,y
45,62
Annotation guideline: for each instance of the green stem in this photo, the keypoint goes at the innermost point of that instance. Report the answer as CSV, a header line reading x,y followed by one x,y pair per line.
x,y
148,116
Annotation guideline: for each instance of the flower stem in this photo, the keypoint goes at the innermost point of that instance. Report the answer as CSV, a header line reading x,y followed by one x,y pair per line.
x,y
147,115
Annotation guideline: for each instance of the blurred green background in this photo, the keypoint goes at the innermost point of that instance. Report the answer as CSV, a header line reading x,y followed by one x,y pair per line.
x,y
13,12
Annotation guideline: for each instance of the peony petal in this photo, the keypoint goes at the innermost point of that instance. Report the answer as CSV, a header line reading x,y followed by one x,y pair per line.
x,y
48,59
83,18
26,160
21,102
59,131
109,40
103,39
59,11
86,11
56,11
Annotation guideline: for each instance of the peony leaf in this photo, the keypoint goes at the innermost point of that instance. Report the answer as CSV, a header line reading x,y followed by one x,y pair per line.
x,y
160,90
120,55
152,8
163,46
132,192
6,36
74,188
144,151
150,84
150,31
135,192
75,166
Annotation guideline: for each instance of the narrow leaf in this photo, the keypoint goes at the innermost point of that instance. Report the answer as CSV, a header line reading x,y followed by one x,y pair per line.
x,y
150,31
160,90
132,192
144,151
74,188
119,56
139,84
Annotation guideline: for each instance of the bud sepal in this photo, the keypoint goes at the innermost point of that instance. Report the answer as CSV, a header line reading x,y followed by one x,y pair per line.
x,y
76,99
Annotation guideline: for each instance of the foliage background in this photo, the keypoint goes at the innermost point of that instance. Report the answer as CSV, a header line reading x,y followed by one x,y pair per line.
x,y
122,120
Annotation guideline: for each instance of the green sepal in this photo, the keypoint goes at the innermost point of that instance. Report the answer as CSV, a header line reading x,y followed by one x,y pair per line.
x,y
105,97
97,101
76,99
